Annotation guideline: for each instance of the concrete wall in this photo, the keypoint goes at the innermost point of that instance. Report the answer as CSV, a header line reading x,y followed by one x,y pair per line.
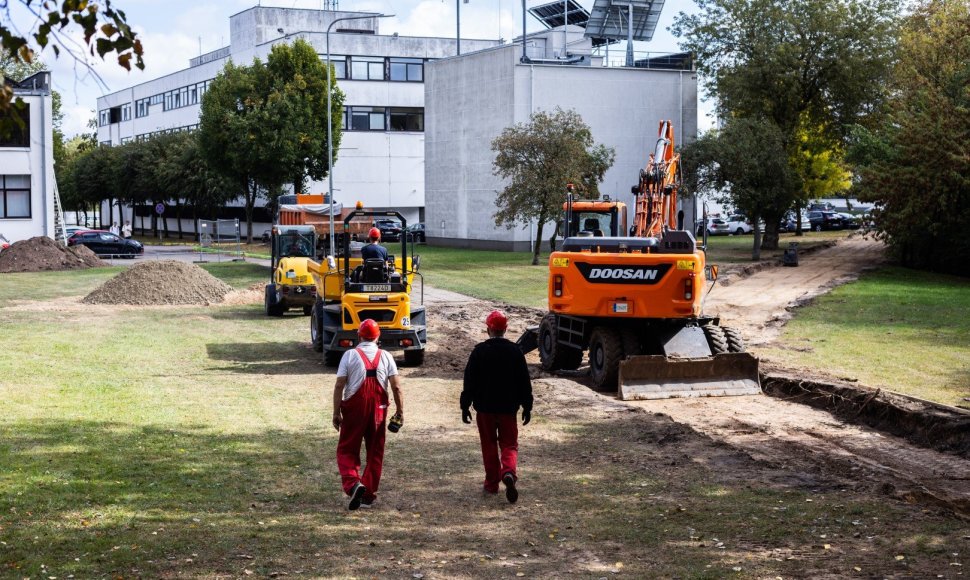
x,y
37,161
471,99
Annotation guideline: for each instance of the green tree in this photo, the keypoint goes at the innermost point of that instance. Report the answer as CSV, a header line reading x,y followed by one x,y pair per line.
x,y
916,165
537,159
95,180
297,109
819,163
743,164
262,126
814,61
105,30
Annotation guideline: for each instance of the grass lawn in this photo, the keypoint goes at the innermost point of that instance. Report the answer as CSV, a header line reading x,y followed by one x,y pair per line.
x,y
895,328
737,249
195,442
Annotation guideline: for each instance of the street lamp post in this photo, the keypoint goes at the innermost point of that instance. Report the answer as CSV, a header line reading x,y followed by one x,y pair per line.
x,y
330,123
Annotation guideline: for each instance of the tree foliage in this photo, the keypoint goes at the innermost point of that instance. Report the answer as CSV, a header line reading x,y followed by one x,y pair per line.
x,y
916,165
537,160
263,126
805,63
743,164
105,30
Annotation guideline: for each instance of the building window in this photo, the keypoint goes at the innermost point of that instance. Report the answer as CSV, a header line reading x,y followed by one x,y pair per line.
x,y
365,119
156,99
125,140
365,68
407,119
126,112
19,135
141,108
339,65
407,69
104,118
14,196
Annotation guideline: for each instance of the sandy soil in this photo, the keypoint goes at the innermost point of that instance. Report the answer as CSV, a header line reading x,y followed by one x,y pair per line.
x,y
805,443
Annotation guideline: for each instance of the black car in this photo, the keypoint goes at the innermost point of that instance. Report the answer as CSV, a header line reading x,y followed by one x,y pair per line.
x,y
390,230
416,233
825,220
106,243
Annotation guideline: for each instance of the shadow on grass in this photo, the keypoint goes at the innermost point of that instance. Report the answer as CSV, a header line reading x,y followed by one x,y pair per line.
x,y
285,357
97,498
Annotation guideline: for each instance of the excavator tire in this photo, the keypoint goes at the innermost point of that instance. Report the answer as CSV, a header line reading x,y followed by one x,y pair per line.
x,y
605,354
734,341
552,355
716,339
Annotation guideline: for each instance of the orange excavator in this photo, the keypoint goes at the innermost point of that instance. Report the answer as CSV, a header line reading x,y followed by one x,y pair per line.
x,y
633,299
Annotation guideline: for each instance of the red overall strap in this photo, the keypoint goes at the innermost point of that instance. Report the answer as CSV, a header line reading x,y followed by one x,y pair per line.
x,y
371,386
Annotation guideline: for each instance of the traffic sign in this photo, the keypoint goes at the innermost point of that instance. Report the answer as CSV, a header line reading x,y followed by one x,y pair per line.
x,y
160,208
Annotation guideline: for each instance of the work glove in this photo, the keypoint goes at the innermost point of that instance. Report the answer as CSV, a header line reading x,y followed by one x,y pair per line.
x,y
466,416
526,417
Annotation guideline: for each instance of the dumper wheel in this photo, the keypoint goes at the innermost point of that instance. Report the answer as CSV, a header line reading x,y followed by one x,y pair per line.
x,y
331,358
551,353
316,327
716,339
414,358
273,308
734,341
605,354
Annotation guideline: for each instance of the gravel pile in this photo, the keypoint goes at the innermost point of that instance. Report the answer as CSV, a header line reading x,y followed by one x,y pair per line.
x,y
161,282
42,253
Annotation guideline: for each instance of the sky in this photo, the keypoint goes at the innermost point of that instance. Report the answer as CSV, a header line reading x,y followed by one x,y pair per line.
x,y
173,31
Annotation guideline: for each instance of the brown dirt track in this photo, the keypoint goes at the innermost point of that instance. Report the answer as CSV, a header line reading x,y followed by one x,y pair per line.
x,y
762,440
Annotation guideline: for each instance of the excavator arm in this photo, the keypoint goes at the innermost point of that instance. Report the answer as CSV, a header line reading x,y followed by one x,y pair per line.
x,y
656,194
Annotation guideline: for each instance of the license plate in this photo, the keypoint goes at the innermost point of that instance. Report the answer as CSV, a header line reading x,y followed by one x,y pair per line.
x,y
377,288
621,307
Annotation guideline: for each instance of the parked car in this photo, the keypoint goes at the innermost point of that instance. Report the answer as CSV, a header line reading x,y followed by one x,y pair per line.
x,y
825,220
106,243
390,229
415,233
715,226
849,221
738,224
788,223
821,206
4,243
71,230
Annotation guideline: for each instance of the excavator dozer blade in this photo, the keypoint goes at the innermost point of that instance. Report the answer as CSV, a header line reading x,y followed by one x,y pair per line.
x,y
661,377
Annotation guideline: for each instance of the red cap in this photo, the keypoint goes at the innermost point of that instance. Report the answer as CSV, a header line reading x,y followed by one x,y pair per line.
x,y
374,234
369,330
496,320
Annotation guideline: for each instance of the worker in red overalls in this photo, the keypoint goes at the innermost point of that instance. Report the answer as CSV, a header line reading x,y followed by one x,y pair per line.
x,y
497,383
359,413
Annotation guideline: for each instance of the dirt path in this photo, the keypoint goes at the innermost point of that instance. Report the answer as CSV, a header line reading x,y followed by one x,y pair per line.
x,y
806,444
758,304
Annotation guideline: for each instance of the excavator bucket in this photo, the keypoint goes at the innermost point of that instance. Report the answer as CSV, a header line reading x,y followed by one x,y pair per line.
x,y
662,377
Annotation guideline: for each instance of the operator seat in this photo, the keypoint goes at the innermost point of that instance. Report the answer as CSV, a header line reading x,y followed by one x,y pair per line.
x,y
375,271
593,225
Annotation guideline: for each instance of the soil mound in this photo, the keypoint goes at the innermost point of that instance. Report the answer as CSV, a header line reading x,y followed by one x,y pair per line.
x,y
42,253
159,283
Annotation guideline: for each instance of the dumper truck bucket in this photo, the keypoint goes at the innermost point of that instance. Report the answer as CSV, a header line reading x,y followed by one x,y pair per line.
x,y
661,377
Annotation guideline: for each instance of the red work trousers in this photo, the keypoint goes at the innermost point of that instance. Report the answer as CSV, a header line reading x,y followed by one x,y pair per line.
x,y
363,421
499,434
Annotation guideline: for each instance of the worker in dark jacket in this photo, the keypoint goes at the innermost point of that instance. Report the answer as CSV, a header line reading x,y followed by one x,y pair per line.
x,y
497,383
373,250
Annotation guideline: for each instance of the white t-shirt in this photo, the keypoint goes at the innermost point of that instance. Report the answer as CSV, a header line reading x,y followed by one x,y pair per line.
x,y
352,367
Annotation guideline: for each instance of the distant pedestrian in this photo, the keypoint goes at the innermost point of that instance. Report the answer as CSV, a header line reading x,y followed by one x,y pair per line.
x,y
497,383
114,229
359,413
126,230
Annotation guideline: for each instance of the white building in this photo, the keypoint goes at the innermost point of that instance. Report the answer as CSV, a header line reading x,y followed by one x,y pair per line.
x,y
27,164
472,98
381,157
